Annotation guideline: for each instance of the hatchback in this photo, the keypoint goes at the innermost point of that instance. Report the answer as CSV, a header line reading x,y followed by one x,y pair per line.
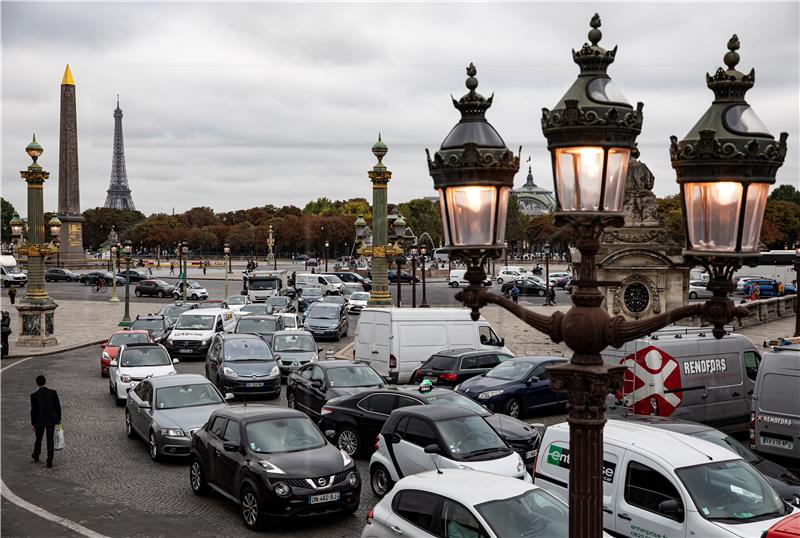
x,y
280,304
294,349
158,326
55,274
263,326
120,338
151,288
449,368
243,364
134,363
327,321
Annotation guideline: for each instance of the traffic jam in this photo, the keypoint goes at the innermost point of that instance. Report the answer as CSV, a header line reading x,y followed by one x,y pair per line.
x,y
701,440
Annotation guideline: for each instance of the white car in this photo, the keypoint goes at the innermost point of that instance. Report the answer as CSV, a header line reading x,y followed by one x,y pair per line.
x,y
426,437
432,504
235,302
358,301
134,363
194,291
290,322
697,290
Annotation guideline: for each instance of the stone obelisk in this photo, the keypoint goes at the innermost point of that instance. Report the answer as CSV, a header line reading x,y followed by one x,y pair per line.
x,y
69,203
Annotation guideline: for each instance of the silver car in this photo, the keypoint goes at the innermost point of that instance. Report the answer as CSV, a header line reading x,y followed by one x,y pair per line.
x,y
697,290
293,349
166,411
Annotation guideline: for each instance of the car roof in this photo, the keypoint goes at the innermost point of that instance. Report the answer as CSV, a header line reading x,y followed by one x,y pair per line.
x,y
240,336
686,427
259,316
149,316
131,331
255,413
338,363
205,311
177,380
434,413
463,352
537,359
669,448
425,314
291,332
459,485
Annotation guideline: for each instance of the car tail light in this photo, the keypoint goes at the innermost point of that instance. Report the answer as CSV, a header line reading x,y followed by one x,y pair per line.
x,y
377,442
392,361
752,428
533,471
326,411
417,375
370,515
448,377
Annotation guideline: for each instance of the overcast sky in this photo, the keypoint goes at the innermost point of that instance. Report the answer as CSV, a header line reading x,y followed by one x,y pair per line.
x,y
238,105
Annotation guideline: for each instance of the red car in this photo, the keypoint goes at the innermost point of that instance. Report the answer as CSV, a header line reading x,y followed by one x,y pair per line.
x,y
788,527
120,338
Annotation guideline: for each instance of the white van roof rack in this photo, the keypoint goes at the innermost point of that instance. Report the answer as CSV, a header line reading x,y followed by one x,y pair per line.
x,y
677,331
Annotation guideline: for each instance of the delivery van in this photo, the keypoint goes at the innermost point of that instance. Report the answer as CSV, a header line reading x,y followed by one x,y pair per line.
x,y
458,278
10,272
329,284
396,341
194,330
658,483
687,373
775,417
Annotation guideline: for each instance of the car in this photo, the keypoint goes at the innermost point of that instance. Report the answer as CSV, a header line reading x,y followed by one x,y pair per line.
x,y
151,288
291,322
327,321
357,301
294,349
423,438
158,326
788,527
134,275
195,329
311,386
457,278
308,297
526,286
358,419
118,339
335,299
263,326
134,363
55,274
568,285
280,304
559,278
91,278
312,262
243,364
235,302
301,258
215,303
767,287
166,411
775,406
173,311
508,274
254,309
448,503
350,277
742,281
515,386
697,290
785,482
405,278
194,291
451,367
277,465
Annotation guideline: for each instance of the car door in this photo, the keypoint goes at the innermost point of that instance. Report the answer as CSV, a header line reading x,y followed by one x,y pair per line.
x,y
317,388
372,414
410,451
216,432
213,360
537,391
140,417
415,513
302,388
229,458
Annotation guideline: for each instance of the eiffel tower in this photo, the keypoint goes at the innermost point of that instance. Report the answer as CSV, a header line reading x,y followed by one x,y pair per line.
x,y
119,193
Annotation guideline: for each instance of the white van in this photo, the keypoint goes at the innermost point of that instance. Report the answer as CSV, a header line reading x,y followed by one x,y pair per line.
x,y
329,284
396,341
195,329
457,279
662,483
10,272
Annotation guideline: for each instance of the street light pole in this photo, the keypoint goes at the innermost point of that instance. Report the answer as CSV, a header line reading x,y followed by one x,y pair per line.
x,y
184,246
271,253
115,248
413,251
327,244
227,251
546,252
796,286
126,318
424,304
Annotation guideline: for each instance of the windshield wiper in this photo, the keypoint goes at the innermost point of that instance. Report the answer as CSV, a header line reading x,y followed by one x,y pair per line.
x,y
484,451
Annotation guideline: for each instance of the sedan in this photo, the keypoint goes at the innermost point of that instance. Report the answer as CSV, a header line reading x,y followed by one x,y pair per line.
x,y
243,364
405,278
112,346
91,278
154,288
526,286
327,321
697,290
134,275
60,275
166,411
515,386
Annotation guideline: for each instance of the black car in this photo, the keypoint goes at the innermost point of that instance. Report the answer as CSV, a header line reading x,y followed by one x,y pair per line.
x,y
60,275
326,320
308,297
449,368
275,463
310,387
134,275
158,326
405,278
359,418
153,288
354,278
172,312
91,278
243,364
263,326
280,303
527,286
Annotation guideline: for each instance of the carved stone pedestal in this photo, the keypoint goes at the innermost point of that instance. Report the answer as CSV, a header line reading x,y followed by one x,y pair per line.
x,y
37,324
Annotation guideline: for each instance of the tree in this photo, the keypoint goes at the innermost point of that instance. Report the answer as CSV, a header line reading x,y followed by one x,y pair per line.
x,y
421,216
7,211
781,226
320,206
785,193
516,223
99,221
670,214
200,216
540,230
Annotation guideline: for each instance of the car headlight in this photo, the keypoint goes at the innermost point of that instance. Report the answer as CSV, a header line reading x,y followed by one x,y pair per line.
x,y
489,394
456,387
125,378
282,489
228,372
270,468
172,432
205,342
352,478
169,341
346,459
275,371
520,463
315,358
106,356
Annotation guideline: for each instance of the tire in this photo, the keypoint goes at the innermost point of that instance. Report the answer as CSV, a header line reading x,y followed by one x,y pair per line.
x,y
348,440
137,293
250,503
290,400
540,293
152,447
47,279
380,480
194,297
197,478
512,408
129,426
454,284
176,295
499,280
692,295
160,294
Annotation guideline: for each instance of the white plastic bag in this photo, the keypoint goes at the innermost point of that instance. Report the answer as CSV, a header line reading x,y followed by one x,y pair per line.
x,y
59,437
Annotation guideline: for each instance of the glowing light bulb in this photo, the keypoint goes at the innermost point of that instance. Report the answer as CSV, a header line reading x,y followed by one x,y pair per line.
x,y
591,162
473,196
727,192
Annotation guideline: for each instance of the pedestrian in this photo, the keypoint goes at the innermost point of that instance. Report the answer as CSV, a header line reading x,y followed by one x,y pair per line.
x,y
12,294
551,296
45,414
515,294
150,269
171,268
205,265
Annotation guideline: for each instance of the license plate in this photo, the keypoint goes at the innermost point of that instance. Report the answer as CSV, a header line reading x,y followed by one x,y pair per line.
x,y
184,351
253,385
433,380
779,443
530,454
324,498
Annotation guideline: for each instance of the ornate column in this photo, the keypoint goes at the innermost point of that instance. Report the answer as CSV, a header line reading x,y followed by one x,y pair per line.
x,y
379,176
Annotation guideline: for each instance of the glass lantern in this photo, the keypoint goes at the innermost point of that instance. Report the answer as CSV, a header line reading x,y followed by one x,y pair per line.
x,y
128,247
226,249
361,227
399,227
16,226
185,247
55,226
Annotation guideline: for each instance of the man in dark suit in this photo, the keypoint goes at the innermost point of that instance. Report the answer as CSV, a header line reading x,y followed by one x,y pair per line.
x,y
45,414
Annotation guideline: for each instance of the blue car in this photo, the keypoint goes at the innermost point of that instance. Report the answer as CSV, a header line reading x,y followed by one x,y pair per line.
x,y
515,386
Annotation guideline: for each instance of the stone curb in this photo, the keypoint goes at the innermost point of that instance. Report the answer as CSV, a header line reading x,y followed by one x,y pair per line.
x,y
54,351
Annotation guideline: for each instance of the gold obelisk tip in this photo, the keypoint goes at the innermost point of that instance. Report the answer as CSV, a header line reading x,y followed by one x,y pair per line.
x,y
67,80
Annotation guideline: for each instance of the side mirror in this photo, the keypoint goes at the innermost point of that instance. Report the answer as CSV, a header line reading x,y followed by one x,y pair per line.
x,y
317,384
432,448
229,396
533,379
242,292
670,508
144,405
330,434
277,356
104,344
231,447
113,363
502,342
396,438
319,350
175,361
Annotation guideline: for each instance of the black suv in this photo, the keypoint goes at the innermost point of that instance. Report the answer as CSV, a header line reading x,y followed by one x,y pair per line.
x,y
243,364
275,463
157,288
449,368
158,326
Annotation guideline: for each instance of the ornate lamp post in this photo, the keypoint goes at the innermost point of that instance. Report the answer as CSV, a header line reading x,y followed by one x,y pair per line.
x,y
184,246
114,251
413,251
55,232
327,244
126,318
227,251
36,309
399,229
17,227
723,176
423,252
270,244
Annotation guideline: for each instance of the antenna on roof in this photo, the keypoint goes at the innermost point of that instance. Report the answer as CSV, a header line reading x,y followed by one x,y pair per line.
x,y
433,449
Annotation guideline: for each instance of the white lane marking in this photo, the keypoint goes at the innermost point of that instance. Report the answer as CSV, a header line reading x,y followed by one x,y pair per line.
x,y
41,512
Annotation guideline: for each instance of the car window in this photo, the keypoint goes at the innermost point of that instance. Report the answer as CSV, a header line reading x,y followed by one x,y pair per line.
x,y
306,374
232,433
147,393
751,363
646,488
405,401
379,403
218,427
468,363
419,433
541,371
317,374
488,361
455,520
418,508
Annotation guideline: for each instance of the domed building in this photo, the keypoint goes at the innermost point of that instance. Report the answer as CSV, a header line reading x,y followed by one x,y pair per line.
x,y
534,200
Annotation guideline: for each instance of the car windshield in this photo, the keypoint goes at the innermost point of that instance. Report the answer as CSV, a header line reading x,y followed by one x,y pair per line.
x,y
247,349
261,309
359,296
333,279
257,326
510,370
312,292
726,441
534,513
174,310
283,435
453,399
195,285
148,324
187,396
278,301
160,283
196,323
354,376
440,362
237,299
470,437
127,338
323,312
732,492
151,356
13,270
293,342
263,284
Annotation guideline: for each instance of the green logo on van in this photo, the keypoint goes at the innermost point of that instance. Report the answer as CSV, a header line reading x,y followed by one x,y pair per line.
x,y
558,456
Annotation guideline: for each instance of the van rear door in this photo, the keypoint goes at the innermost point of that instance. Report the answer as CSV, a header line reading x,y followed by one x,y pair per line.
x,y
362,340
778,413
381,346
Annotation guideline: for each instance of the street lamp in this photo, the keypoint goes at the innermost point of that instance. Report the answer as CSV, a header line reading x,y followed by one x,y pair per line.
x,y
327,244
126,318
423,252
546,252
55,232
115,250
590,135
413,251
16,226
227,251
271,254
184,246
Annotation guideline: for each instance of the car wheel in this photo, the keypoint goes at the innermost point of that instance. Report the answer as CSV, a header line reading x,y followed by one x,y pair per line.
x,y
128,426
194,297
380,480
290,402
512,408
454,284
347,440
197,478
499,280
155,455
176,296
251,509
160,294
540,293
47,279
137,293
692,295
